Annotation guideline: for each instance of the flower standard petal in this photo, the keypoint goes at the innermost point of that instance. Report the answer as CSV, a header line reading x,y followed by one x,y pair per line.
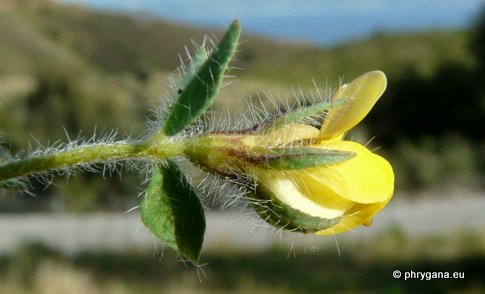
x,y
365,178
364,92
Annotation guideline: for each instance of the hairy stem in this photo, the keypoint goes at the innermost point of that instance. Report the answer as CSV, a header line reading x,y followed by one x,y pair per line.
x,y
86,154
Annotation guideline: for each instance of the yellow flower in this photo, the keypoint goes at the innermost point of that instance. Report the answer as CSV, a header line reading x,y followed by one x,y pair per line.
x,y
347,193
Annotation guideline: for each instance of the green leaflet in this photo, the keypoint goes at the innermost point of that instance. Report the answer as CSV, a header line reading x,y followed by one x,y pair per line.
x,y
190,71
172,211
204,85
306,157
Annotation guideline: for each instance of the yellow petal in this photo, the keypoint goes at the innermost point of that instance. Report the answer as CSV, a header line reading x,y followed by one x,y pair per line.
x,y
358,215
365,178
364,93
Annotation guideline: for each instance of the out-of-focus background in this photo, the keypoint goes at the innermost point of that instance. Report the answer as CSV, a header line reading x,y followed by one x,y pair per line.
x,y
86,66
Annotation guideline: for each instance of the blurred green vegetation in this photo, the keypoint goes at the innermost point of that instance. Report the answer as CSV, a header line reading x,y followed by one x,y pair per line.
x,y
67,69
361,268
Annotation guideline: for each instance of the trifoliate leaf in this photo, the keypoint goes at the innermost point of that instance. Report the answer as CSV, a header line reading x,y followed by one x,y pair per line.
x,y
172,211
200,92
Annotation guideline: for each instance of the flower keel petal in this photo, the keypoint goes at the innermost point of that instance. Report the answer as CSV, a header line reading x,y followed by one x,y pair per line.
x,y
360,214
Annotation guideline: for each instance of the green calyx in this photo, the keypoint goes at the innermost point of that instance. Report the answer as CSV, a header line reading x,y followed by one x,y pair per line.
x,y
305,157
304,113
281,215
217,152
13,185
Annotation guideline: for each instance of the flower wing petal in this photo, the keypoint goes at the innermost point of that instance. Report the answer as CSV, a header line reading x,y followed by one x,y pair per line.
x,y
364,92
365,178
355,217
289,188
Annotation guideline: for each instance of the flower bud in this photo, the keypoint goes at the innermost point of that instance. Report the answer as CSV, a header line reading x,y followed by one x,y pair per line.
x,y
306,179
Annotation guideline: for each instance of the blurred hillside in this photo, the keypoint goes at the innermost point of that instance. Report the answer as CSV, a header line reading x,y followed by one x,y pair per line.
x,y
36,34
78,69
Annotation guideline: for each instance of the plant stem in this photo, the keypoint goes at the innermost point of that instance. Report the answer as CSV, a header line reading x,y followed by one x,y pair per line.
x,y
86,154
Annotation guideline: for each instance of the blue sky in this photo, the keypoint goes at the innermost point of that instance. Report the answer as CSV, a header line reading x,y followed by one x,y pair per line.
x,y
325,22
